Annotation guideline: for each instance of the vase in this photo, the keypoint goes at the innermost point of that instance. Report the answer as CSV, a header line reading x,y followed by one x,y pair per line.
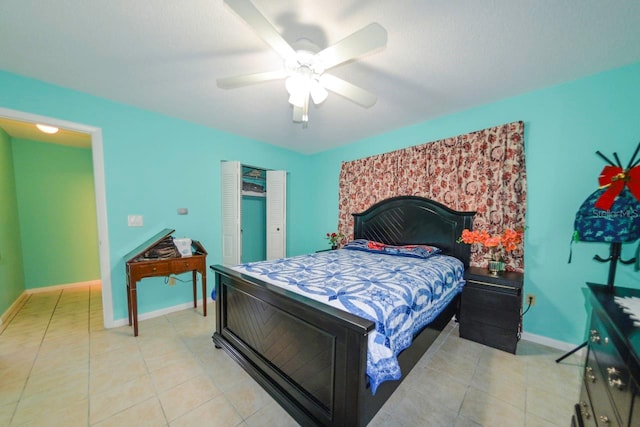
x,y
495,267
334,247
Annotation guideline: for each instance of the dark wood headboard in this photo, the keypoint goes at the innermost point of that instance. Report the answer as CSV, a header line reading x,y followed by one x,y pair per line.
x,y
410,220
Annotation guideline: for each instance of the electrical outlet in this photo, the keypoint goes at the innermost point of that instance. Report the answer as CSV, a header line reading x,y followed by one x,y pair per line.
x,y
531,299
172,281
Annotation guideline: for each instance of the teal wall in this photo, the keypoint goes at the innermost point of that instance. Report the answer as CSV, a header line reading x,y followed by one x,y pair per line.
x,y
155,164
254,228
57,211
564,126
11,270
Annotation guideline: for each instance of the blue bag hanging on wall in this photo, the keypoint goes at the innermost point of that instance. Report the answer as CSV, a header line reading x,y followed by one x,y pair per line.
x,y
611,214
620,224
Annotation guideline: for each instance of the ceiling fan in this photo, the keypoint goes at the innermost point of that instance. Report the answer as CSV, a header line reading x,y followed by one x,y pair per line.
x,y
304,68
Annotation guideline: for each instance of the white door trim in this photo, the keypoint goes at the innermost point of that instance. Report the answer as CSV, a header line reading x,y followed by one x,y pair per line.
x,y
101,198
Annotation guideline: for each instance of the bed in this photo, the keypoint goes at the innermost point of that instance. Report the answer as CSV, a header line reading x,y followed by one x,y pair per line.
x,y
312,357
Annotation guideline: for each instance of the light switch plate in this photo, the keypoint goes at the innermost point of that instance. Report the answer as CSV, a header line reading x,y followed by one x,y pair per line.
x,y
135,221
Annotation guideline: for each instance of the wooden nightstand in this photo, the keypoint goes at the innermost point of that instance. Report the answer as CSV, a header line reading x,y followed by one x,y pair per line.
x,y
491,309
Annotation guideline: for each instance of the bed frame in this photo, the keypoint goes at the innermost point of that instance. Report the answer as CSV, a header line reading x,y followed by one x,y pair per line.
x,y
311,357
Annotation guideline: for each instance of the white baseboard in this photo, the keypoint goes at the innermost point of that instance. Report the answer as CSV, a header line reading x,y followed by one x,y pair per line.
x,y
549,342
542,340
19,302
13,308
123,321
64,286
157,313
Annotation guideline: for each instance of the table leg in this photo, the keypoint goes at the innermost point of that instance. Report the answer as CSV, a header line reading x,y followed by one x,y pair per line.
x,y
195,292
134,308
129,298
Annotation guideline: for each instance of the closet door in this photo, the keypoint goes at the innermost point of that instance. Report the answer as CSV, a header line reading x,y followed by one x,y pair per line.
x,y
276,214
231,213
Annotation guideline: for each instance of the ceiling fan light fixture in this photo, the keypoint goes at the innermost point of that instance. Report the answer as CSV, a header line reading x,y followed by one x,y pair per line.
x,y
47,129
295,84
318,92
300,86
305,63
297,99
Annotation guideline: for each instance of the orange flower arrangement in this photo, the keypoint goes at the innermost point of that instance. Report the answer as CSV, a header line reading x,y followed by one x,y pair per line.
x,y
507,241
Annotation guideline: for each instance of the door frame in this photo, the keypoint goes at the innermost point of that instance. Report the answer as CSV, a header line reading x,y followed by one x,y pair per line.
x,y
100,194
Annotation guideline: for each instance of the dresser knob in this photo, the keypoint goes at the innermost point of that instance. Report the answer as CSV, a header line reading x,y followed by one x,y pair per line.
x,y
595,336
585,410
604,420
616,383
588,374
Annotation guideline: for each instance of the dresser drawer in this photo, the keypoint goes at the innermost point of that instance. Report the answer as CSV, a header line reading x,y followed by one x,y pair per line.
x,y
612,367
635,405
603,411
584,413
490,309
491,304
500,338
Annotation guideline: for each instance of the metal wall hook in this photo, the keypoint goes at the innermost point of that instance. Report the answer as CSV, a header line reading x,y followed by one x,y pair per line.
x,y
614,258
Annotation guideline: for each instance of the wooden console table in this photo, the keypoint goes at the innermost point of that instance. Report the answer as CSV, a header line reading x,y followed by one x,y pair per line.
x,y
141,264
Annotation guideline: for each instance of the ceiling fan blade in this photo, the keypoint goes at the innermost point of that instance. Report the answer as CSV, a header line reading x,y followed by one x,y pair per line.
x,y
265,30
250,79
348,90
365,40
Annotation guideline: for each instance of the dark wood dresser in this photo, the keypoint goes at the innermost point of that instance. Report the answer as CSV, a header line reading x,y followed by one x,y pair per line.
x,y
610,395
491,308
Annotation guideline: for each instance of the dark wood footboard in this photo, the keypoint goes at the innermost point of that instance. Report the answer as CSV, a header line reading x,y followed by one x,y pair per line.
x,y
308,356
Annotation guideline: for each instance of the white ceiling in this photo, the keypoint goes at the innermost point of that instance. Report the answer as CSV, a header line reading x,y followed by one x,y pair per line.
x,y
442,56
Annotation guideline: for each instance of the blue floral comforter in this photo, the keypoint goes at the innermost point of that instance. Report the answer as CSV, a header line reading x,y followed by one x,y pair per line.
x,y
400,294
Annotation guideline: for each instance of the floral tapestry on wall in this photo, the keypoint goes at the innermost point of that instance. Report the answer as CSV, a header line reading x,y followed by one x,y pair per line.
x,y
482,171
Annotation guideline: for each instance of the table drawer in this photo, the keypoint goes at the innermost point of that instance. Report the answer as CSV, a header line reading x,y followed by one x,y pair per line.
x,y
185,264
150,269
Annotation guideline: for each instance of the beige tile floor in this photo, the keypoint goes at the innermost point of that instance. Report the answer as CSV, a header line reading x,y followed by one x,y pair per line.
x,y
60,367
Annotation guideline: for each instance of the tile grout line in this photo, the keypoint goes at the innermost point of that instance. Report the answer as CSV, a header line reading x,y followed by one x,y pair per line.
x,y
35,358
89,360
